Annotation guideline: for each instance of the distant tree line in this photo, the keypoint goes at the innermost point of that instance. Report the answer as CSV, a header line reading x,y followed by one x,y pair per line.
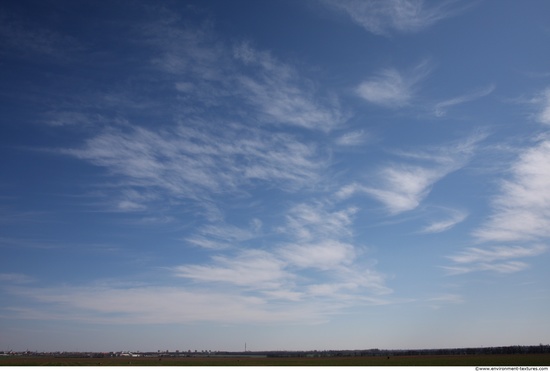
x,y
515,349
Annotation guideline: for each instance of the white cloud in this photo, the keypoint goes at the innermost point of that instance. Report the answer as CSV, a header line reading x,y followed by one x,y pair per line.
x,y
161,305
222,236
317,237
250,268
187,163
307,222
246,285
129,206
508,267
320,239
354,138
381,17
388,88
206,243
227,232
324,255
131,200
348,191
402,187
521,210
473,255
211,74
343,291
281,95
500,259
543,101
455,218
391,88
441,108
60,118
520,214
314,249
191,50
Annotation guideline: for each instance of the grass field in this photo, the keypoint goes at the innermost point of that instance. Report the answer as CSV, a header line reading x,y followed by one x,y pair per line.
x,y
423,360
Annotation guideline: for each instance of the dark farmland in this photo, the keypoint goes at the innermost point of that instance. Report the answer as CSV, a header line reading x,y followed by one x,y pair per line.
x,y
399,360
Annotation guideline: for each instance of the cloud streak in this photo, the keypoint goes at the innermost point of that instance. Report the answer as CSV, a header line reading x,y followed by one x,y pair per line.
x,y
353,138
188,162
472,255
382,17
315,247
402,186
250,268
455,218
442,107
224,236
543,102
213,75
312,273
501,259
160,305
519,216
391,88
275,92
521,209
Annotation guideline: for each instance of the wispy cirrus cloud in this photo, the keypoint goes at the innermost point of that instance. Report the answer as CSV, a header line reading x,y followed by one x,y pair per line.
x,y
402,186
520,210
187,162
182,47
320,238
441,108
455,217
306,222
472,255
353,138
213,75
281,95
224,236
324,254
508,267
501,259
382,17
392,88
250,268
160,305
315,247
188,156
519,216
61,118
542,100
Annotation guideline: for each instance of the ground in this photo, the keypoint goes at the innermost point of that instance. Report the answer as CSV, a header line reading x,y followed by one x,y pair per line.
x,y
423,360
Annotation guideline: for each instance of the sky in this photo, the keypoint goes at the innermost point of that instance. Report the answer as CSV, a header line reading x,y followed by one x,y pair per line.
x,y
293,175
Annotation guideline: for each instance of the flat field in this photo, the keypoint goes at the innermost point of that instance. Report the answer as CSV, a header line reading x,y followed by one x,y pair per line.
x,y
421,360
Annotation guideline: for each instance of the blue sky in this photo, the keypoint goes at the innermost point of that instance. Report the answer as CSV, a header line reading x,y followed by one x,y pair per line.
x,y
295,175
